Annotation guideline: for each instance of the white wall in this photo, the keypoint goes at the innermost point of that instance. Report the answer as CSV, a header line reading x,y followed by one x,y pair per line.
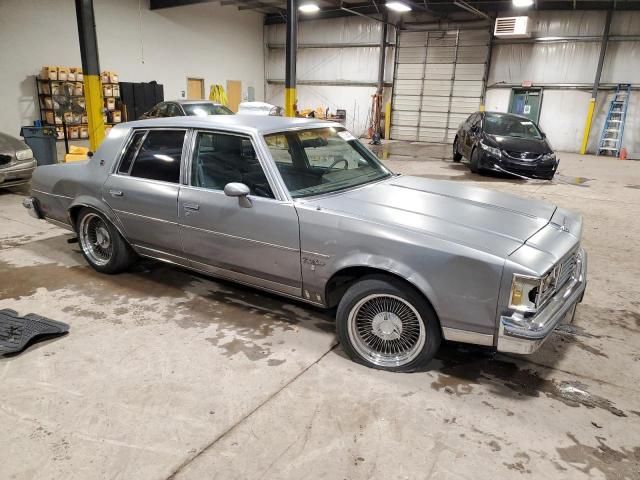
x,y
327,65
206,41
563,112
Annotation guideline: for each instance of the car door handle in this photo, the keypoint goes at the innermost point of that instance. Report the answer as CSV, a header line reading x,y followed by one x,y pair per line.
x,y
116,193
191,206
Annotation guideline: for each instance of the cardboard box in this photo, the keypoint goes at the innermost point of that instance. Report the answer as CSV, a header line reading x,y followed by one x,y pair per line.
x,y
104,77
71,75
59,133
63,73
78,88
48,117
45,88
84,131
68,117
116,91
85,118
116,116
55,89
73,132
107,90
113,77
49,72
111,103
48,102
79,75
104,118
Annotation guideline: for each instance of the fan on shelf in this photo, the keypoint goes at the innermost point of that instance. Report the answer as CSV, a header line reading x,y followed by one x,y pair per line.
x,y
69,106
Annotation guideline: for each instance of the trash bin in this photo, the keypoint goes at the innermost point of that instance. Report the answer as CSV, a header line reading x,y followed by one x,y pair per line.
x,y
42,141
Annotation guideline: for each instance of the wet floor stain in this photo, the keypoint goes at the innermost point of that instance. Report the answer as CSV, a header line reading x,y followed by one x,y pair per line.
x,y
569,180
622,464
462,370
637,187
243,320
14,241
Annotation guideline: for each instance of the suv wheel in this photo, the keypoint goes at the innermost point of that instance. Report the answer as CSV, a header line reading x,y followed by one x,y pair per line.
x,y
102,245
384,323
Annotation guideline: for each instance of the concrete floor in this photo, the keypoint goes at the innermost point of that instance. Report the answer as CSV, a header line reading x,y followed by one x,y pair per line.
x,y
167,374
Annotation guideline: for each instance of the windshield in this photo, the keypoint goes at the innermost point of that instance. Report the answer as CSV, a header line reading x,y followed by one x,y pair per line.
x,y
510,126
204,109
323,160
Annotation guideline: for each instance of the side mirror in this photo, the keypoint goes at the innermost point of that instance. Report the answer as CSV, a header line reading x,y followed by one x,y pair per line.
x,y
240,190
544,135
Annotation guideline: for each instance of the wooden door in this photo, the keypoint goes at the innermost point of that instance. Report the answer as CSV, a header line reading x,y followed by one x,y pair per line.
x,y
195,89
234,94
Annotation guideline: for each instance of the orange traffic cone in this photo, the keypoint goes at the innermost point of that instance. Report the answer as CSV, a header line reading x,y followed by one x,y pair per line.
x,y
623,154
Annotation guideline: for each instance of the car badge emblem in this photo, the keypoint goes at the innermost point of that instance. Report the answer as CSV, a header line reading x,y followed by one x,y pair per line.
x,y
523,155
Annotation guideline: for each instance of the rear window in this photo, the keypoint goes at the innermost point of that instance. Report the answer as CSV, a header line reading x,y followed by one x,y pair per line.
x,y
159,156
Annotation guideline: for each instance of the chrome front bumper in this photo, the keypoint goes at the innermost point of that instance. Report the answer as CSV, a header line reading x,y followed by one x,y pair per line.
x,y
17,173
520,334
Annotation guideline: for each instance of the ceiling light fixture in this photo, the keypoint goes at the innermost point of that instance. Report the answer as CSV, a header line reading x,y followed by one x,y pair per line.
x,y
309,8
398,6
522,3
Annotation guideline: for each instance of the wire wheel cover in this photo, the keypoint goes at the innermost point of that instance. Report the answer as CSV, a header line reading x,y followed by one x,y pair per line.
x,y
95,239
386,330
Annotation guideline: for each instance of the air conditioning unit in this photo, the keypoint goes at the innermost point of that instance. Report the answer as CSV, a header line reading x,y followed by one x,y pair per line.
x,y
512,27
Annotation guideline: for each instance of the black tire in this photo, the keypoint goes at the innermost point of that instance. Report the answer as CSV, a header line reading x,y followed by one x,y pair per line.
x,y
352,313
457,156
474,160
120,255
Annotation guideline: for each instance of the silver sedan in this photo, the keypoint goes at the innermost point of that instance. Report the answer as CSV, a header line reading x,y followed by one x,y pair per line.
x,y
303,209
16,161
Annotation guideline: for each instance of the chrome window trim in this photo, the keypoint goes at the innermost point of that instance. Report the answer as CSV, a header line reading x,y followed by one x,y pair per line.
x,y
273,183
114,171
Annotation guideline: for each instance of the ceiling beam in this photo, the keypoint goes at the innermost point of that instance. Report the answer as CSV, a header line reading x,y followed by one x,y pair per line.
x,y
158,4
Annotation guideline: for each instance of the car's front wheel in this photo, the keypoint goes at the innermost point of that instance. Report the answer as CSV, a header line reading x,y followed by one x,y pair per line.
x,y
457,156
474,160
384,323
102,245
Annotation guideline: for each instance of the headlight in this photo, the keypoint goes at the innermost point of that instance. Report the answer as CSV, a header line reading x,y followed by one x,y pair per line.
x,y
492,150
25,154
529,293
549,157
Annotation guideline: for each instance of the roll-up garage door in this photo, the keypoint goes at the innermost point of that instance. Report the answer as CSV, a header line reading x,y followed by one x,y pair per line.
x,y
438,82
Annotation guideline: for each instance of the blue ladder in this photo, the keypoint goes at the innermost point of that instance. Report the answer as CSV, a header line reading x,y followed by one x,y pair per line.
x,y
611,138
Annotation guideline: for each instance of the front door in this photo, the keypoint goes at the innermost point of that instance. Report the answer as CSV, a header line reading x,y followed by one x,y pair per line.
x,y
526,102
143,191
234,94
255,242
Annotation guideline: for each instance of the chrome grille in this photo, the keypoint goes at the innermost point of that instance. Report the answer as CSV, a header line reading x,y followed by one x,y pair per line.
x,y
560,274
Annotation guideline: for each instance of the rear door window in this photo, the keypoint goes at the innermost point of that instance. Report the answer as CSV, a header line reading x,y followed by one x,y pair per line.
x,y
173,110
159,156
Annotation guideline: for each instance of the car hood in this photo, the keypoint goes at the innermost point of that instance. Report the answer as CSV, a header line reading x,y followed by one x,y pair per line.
x,y
514,144
493,222
9,144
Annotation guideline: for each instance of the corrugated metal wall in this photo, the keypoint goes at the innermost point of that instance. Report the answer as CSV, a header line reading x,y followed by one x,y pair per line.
x,y
439,77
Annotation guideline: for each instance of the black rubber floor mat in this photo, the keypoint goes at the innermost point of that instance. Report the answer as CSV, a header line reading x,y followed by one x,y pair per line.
x,y
16,332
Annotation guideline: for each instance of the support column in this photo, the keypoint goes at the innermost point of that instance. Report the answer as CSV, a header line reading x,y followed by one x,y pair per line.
x,y
383,54
290,97
596,84
91,71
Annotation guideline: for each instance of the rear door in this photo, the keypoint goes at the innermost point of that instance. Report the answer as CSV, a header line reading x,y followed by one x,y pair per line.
x,y
143,190
256,243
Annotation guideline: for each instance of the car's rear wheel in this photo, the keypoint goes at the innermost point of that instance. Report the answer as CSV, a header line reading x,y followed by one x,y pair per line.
x,y
457,156
384,323
102,245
